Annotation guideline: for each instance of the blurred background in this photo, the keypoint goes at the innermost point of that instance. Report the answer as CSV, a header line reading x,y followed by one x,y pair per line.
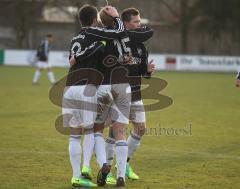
x,y
192,27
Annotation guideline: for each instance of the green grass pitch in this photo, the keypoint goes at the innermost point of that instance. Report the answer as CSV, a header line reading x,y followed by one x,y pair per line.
x,y
33,155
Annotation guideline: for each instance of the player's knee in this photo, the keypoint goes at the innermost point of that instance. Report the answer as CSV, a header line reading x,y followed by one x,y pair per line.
x,y
76,131
98,128
139,129
118,131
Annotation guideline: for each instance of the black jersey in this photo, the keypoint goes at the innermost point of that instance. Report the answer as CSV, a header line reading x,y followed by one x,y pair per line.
x,y
43,50
90,52
138,69
113,66
86,47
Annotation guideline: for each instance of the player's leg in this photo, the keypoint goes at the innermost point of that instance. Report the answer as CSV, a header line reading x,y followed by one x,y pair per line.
x,y
88,146
133,144
36,76
75,159
75,154
99,147
88,114
37,73
119,131
110,145
120,116
137,116
101,155
73,117
104,102
50,74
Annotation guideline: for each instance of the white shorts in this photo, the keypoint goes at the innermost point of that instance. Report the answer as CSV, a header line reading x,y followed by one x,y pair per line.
x,y
44,65
137,112
79,107
114,103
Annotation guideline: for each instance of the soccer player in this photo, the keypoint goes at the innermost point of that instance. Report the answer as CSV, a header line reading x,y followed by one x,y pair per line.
x,y
43,57
237,82
85,51
141,67
114,94
112,52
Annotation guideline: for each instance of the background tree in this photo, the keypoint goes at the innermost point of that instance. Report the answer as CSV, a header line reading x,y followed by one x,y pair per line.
x,y
184,13
24,16
219,16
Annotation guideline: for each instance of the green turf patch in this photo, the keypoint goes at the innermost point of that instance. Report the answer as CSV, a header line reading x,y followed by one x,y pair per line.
x,y
33,155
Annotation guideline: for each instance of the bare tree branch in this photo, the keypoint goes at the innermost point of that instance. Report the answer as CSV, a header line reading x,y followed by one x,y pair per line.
x,y
171,10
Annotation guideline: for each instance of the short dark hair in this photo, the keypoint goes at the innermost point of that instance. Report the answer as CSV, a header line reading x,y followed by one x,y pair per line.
x,y
87,14
127,13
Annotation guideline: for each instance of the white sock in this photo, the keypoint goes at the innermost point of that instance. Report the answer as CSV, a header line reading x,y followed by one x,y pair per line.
x,y
100,149
133,142
110,144
121,157
51,77
88,145
75,155
36,76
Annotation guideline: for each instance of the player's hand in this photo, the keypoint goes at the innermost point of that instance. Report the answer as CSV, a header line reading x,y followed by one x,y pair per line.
x,y
237,83
72,61
151,67
111,11
128,60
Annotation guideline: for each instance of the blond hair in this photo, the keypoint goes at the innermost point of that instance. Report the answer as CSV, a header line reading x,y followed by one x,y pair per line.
x,y
106,19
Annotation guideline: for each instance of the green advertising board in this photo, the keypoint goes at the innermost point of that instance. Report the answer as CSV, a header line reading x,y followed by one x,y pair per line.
x,y
1,56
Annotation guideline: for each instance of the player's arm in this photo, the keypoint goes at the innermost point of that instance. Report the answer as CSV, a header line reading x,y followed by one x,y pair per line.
x,y
89,51
147,68
237,82
98,34
140,35
77,55
103,33
150,69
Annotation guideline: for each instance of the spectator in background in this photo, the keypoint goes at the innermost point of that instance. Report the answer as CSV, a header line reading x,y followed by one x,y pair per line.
x,y
43,57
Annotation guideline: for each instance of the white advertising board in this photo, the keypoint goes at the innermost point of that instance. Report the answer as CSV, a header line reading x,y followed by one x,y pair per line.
x,y
27,58
162,61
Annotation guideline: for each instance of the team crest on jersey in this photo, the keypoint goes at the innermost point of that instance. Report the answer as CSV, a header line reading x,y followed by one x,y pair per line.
x,y
110,61
139,51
